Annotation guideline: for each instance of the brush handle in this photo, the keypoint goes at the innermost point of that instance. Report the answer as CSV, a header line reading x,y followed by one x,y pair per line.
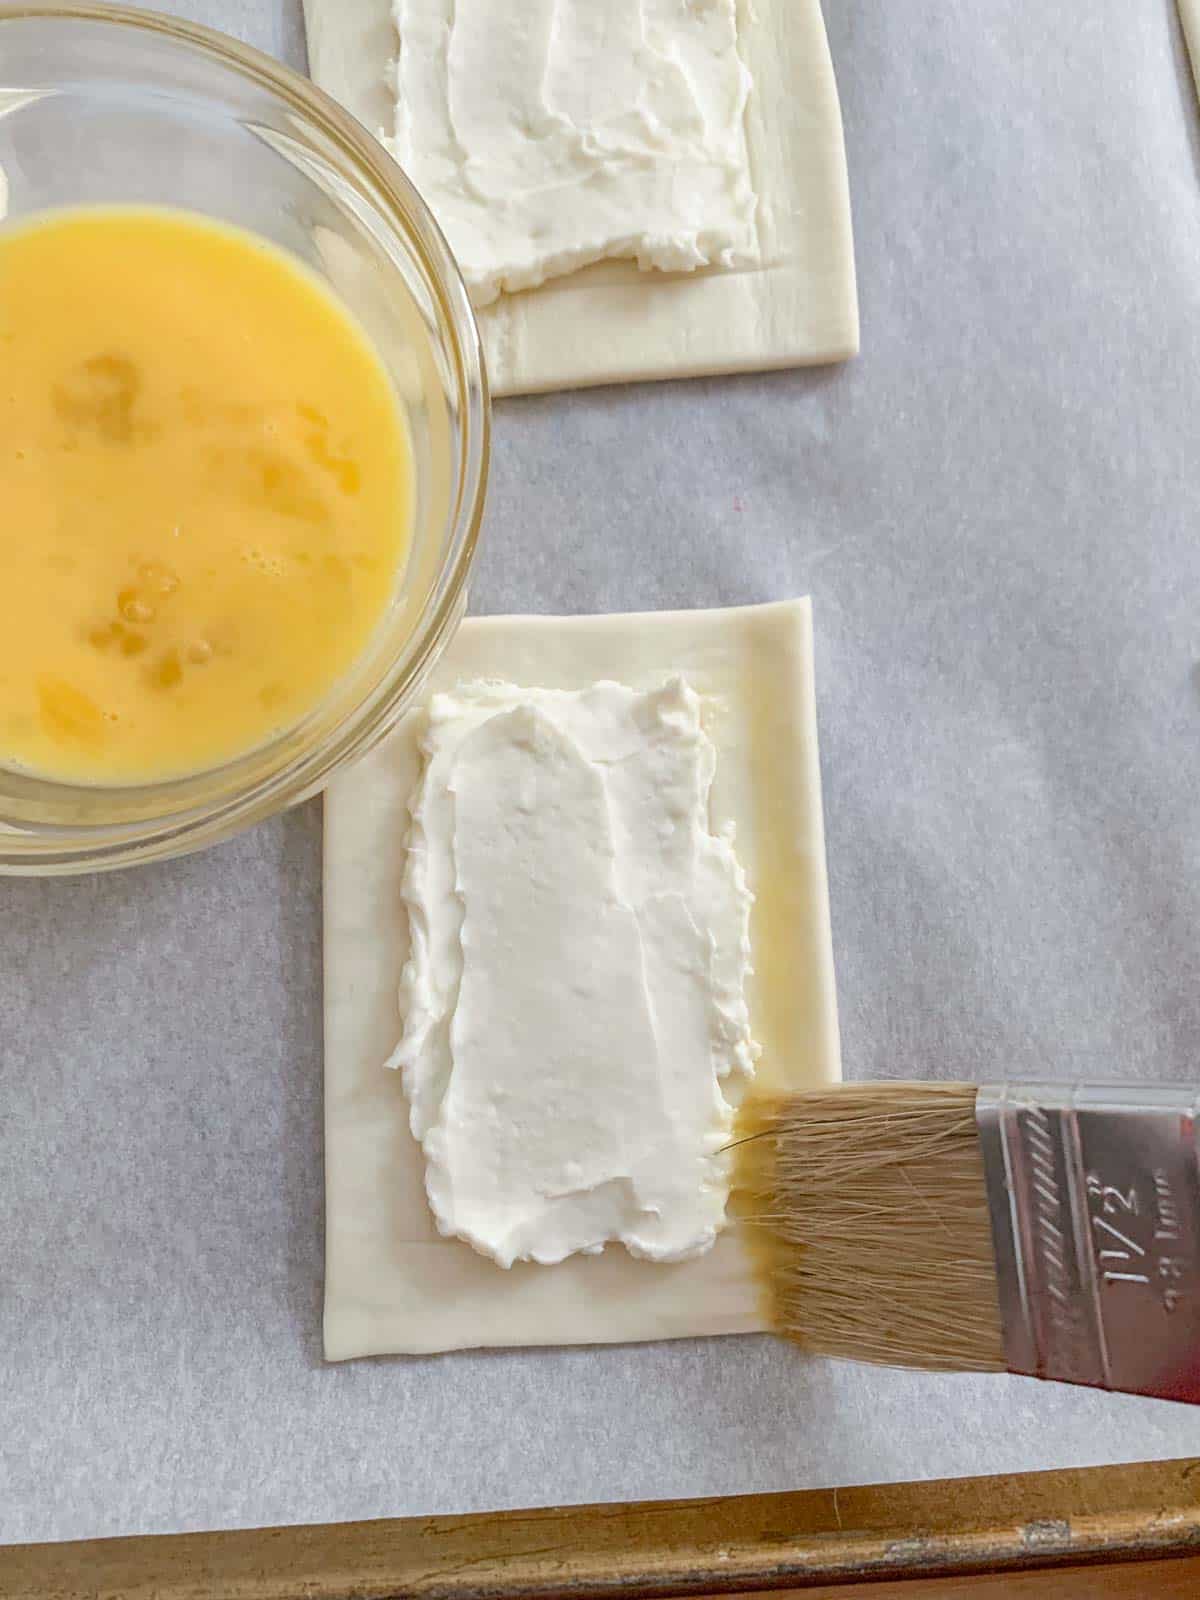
x,y
1094,1193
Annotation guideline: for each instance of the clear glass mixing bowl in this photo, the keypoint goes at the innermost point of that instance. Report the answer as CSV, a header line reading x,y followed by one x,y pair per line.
x,y
102,105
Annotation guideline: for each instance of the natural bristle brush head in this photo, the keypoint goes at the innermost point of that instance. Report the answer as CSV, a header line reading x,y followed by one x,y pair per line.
x,y
868,1207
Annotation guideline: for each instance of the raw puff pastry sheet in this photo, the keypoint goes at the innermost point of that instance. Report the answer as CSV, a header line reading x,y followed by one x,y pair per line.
x,y
611,323
392,1283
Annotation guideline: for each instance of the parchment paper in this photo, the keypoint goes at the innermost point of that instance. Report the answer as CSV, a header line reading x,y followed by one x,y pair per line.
x,y
996,512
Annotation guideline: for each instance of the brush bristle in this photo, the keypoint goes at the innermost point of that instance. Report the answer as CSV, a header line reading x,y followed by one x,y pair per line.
x,y
870,1205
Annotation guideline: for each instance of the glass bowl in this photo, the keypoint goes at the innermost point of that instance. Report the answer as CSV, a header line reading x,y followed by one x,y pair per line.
x,y
103,105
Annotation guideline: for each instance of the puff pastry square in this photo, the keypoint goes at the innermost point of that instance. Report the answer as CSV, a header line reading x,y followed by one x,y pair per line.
x,y
611,323
392,1283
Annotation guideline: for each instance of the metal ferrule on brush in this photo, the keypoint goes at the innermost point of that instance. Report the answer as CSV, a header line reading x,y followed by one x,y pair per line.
x,y
1095,1202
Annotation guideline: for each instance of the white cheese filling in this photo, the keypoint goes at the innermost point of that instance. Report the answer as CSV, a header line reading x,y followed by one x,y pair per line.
x,y
574,1001
548,134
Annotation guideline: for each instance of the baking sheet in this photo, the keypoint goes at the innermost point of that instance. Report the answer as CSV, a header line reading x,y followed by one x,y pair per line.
x,y
995,510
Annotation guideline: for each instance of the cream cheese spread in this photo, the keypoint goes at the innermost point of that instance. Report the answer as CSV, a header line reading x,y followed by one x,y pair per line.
x,y
575,1020
549,134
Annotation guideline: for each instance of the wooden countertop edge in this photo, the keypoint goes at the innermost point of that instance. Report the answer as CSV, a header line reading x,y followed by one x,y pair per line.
x,y
733,1545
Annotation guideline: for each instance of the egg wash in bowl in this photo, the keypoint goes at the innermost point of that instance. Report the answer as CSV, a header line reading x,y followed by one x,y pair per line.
x,y
207,491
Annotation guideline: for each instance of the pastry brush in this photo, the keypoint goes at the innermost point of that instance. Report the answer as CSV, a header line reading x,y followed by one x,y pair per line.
x,y
1034,1228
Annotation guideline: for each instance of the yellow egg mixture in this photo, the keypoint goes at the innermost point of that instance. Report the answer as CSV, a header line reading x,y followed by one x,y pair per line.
x,y
205,493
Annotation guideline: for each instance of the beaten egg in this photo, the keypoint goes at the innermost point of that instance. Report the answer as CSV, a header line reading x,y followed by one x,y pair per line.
x,y
206,491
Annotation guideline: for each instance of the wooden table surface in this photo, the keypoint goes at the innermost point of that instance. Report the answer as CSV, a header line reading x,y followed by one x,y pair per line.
x,y
1177,1579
